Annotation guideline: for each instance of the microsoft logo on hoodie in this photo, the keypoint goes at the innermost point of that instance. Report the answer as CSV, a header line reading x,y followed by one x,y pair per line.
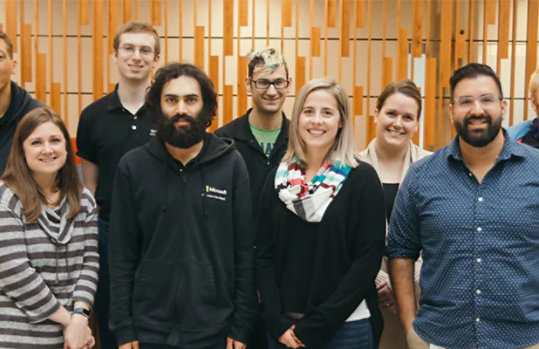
x,y
214,193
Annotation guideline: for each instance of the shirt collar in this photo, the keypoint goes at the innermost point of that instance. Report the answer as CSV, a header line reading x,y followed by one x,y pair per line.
x,y
510,148
114,101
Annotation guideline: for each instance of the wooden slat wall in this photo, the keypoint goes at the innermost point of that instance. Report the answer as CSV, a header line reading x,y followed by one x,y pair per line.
x,y
401,35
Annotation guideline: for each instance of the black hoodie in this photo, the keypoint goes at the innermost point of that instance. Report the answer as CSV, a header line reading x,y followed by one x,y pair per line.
x,y
181,247
21,103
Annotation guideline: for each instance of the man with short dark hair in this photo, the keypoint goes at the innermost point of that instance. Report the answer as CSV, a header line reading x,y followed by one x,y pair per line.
x,y
472,208
181,228
15,102
109,128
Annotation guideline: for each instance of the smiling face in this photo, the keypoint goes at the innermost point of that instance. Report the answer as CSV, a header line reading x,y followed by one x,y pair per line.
x,y
396,121
319,121
45,150
476,110
136,56
270,100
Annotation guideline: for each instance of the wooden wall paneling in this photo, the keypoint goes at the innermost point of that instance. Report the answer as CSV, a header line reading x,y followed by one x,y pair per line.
x,y
427,30
56,103
315,42
358,100
286,18
267,22
345,28
326,25
430,104
228,108
359,8
127,11
64,60
460,37
165,30
209,38
513,61
97,38
243,13
445,42
387,71
402,55
242,91
489,17
1,27
384,27
79,59
228,29
41,77
213,71
369,60
180,31
417,28
50,55
83,12
354,64
331,12
11,22
503,30
199,46
471,29
300,73
155,12
26,53
531,46
312,42
253,12
112,23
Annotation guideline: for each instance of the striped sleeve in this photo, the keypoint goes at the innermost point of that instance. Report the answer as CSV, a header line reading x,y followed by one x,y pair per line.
x,y
87,284
18,279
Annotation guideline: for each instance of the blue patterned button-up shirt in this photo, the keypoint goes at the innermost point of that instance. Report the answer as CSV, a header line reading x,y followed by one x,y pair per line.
x,y
480,241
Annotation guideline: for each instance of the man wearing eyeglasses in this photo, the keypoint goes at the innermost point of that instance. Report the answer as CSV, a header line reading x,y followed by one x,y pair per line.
x,y
472,208
109,128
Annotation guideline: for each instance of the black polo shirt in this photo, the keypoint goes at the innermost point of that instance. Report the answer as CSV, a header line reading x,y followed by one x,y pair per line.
x,y
105,133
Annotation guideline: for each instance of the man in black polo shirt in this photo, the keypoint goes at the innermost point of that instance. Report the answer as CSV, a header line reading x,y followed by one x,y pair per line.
x,y
261,134
15,102
110,127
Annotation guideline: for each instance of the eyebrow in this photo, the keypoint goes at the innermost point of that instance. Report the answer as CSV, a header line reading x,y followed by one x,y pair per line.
x,y
178,96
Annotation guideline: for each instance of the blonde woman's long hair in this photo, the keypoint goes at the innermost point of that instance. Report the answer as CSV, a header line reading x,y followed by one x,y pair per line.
x,y
343,149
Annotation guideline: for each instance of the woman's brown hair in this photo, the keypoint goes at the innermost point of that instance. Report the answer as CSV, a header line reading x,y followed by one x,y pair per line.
x,y
405,87
18,177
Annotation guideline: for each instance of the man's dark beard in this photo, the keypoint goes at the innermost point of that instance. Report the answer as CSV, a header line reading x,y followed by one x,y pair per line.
x,y
183,136
478,139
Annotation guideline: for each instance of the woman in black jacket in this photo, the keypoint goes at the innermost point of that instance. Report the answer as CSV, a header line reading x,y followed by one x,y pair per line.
x,y
320,232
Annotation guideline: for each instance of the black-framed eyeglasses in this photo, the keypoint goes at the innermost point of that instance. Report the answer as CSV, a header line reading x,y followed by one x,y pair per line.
x,y
264,84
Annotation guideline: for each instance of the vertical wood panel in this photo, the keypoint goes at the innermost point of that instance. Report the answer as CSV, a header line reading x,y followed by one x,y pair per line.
x,y
311,42
253,13
155,12
387,71
97,48
56,104
490,11
445,43
64,60
112,24
127,11
26,54
199,47
489,17
242,91
83,10
369,60
228,27
165,30
360,13
345,28
243,13
430,103
11,22
315,41
358,100
460,37
300,73
402,55
50,55
471,31
79,60
417,28
214,71
180,30
513,60
41,77
331,12
286,13
531,46
228,108
503,29
267,22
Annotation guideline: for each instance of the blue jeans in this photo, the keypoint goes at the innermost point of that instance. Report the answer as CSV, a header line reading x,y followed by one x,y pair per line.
x,y
351,335
107,339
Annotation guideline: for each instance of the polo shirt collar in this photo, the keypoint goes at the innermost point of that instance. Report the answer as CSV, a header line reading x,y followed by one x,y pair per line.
x,y
510,148
114,101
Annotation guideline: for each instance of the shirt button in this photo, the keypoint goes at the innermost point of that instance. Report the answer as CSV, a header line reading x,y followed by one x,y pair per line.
x,y
470,174
477,319
268,163
479,229
134,127
478,291
135,117
478,260
480,199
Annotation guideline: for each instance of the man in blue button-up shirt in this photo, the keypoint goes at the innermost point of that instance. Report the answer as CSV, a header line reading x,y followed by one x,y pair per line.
x,y
472,208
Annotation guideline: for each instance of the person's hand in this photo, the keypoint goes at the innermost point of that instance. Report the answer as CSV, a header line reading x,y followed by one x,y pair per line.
x,y
290,340
129,345
234,344
77,334
385,297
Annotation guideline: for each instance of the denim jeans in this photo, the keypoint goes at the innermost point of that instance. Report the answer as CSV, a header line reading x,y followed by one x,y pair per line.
x,y
107,339
351,335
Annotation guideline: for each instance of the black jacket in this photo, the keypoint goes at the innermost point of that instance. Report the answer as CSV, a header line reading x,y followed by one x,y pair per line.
x,y
258,165
181,247
21,103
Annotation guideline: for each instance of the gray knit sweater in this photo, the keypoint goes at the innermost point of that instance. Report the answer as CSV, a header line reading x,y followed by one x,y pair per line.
x,y
44,265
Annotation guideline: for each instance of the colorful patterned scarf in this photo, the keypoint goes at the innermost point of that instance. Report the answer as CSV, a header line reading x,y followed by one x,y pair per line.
x,y
309,200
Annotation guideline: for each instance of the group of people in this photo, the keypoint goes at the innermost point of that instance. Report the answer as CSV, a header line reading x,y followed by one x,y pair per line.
x,y
273,232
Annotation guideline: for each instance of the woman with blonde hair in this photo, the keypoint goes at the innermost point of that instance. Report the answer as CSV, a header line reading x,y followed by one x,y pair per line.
x,y
391,153
321,231
48,240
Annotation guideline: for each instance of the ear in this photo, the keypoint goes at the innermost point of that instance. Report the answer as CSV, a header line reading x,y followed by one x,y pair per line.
x,y
376,113
534,103
504,108
13,67
247,82
450,110
115,56
156,60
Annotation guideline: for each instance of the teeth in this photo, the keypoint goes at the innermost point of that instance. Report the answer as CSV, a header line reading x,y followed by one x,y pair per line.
x,y
316,132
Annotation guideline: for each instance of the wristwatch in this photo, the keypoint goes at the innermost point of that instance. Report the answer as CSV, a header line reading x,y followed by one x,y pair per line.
x,y
82,311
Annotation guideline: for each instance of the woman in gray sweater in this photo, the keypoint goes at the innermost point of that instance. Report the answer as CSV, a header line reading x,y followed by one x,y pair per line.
x,y
48,241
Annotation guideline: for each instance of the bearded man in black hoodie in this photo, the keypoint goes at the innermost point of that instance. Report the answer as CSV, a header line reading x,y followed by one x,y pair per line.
x,y
15,102
181,239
